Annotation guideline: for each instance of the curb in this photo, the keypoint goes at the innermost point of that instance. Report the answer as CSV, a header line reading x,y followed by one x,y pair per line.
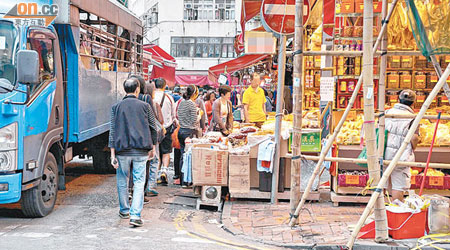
x,y
228,227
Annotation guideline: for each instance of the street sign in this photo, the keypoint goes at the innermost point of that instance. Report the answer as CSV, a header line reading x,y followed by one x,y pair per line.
x,y
278,16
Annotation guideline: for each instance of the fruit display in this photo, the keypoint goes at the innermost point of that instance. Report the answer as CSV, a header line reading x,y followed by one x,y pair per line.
x,y
351,131
430,172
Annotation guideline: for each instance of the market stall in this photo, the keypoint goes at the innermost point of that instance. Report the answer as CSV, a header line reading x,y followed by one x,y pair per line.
x,y
244,170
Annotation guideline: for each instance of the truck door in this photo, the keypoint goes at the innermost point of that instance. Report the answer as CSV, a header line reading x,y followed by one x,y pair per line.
x,y
44,119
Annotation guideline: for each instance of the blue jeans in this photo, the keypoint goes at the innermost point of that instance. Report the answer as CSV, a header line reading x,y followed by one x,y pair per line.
x,y
123,173
153,171
183,134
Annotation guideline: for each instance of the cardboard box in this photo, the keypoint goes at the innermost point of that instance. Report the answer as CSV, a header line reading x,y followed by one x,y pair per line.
x,y
209,165
239,184
239,165
254,176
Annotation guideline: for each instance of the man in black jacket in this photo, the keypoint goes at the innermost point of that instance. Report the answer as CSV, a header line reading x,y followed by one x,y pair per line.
x,y
131,138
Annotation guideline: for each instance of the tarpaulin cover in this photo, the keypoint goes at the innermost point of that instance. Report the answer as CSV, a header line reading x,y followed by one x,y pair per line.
x,y
430,25
234,65
168,70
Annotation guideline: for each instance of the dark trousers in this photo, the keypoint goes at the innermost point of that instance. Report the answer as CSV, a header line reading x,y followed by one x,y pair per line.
x,y
176,161
183,134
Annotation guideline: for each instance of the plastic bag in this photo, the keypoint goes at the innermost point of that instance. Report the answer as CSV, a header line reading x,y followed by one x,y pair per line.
x,y
363,154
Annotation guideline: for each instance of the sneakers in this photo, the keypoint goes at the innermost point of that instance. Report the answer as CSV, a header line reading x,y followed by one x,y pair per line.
x,y
176,177
136,222
151,193
124,215
162,180
146,200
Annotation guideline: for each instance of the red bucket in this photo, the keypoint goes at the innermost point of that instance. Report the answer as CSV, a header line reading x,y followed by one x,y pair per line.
x,y
406,225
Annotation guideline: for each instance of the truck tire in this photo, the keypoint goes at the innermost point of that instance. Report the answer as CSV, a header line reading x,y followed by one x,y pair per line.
x,y
102,162
39,201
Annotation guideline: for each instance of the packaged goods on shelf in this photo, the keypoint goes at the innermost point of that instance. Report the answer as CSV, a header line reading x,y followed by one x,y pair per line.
x,y
399,31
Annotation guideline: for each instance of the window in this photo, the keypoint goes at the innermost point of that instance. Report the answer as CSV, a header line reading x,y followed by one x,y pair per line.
x,y
42,41
209,10
204,47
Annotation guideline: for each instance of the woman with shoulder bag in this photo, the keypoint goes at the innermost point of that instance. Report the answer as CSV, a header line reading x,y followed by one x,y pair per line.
x,y
222,115
188,116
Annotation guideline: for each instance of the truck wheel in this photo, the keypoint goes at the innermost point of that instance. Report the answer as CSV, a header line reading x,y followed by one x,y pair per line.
x,y
39,201
102,162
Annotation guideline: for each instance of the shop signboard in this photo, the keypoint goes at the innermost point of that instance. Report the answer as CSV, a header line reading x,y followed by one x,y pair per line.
x,y
278,16
310,141
260,42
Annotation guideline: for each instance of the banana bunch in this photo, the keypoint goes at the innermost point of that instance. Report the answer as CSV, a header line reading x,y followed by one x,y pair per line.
x,y
399,31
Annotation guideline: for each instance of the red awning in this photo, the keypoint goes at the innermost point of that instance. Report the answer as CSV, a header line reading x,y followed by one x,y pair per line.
x,y
167,71
234,65
250,8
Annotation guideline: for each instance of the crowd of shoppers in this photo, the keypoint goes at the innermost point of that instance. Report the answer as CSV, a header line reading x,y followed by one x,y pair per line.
x,y
151,121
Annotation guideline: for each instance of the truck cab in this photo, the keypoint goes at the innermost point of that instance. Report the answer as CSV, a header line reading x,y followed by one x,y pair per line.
x,y
56,92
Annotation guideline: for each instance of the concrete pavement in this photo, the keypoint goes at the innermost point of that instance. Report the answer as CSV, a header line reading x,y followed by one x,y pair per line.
x,y
86,217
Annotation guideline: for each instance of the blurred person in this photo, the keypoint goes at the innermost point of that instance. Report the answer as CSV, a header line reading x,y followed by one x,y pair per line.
x,y
254,102
176,93
146,94
209,100
168,108
222,119
188,116
269,106
131,137
202,124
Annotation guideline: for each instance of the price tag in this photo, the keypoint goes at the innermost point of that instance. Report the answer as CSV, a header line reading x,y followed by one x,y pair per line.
x,y
436,181
352,179
296,82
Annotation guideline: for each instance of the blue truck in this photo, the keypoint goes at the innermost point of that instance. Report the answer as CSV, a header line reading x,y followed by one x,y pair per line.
x,y
57,86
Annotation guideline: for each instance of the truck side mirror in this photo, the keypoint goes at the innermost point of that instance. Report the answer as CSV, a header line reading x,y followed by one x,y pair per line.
x,y
28,67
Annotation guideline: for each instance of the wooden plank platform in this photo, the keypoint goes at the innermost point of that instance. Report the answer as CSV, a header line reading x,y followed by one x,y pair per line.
x,y
256,194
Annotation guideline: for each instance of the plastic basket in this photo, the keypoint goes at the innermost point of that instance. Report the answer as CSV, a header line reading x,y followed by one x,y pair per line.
x,y
406,225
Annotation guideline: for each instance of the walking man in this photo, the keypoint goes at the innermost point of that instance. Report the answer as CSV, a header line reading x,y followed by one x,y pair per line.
x,y
131,140
168,109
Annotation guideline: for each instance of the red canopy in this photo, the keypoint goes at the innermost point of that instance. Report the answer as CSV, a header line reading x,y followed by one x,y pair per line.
x,y
234,65
167,71
250,8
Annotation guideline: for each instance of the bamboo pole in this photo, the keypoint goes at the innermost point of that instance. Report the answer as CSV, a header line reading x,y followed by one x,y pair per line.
x,y
393,164
355,53
279,117
385,162
332,138
298,106
404,116
381,229
381,233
